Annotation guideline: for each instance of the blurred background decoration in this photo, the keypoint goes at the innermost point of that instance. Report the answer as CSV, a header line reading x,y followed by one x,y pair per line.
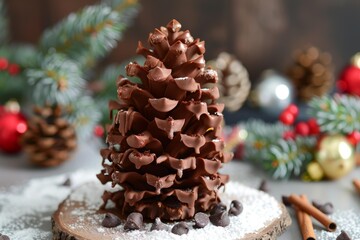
x,y
288,71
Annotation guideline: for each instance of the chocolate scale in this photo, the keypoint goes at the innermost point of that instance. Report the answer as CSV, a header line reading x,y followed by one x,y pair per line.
x,y
167,132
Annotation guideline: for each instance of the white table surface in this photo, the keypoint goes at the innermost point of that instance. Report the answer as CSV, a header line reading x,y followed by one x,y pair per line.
x,y
15,170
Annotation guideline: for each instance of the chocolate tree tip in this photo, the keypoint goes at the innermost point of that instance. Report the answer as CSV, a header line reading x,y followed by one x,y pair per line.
x,y
173,26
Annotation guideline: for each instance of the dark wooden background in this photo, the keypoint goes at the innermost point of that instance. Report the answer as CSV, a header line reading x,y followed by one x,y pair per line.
x,y
262,33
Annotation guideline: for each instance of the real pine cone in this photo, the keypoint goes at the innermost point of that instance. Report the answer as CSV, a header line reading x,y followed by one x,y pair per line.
x,y
234,84
50,139
311,73
165,145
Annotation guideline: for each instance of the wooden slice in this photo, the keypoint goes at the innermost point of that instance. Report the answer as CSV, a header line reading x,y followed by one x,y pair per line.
x,y
78,218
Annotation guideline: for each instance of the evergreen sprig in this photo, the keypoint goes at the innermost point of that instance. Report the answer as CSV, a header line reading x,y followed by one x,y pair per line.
x,y
337,114
86,35
265,146
57,80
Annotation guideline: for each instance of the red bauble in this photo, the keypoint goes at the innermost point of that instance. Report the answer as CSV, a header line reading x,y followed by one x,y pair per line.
x,y
14,69
349,81
99,131
3,63
354,137
12,126
302,129
287,118
293,109
313,126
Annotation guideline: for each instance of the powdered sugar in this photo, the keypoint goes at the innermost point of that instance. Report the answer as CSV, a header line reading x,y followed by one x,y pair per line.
x,y
259,210
25,212
348,221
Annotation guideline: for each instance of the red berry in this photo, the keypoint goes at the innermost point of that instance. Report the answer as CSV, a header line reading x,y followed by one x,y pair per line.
x,y
287,118
99,131
288,135
4,63
293,109
302,129
354,137
14,69
314,126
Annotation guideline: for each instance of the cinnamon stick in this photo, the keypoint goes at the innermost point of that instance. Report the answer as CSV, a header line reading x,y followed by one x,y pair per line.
x,y
313,211
305,223
356,183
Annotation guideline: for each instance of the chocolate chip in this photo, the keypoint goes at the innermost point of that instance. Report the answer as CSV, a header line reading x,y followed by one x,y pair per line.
x,y
285,200
134,221
264,186
111,221
4,237
201,219
235,208
180,228
158,225
327,208
343,236
220,207
67,183
220,219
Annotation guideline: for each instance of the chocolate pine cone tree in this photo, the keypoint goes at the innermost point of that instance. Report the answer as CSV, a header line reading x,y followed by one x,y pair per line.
x,y
311,73
165,144
50,139
234,83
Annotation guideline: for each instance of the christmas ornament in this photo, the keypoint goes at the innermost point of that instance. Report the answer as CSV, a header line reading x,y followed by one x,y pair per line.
x,y
99,131
354,137
4,63
311,73
12,126
287,118
234,84
159,128
314,172
349,80
335,154
50,139
302,129
273,93
314,128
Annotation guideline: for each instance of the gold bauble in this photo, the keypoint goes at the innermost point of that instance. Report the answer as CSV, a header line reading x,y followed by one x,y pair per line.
x,y
315,171
336,156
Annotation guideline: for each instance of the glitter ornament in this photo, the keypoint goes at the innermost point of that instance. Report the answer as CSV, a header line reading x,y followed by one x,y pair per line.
x,y
336,156
314,172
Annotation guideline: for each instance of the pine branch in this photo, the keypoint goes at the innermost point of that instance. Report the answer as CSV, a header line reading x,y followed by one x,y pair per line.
x,y
126,8
86,35
4,28
57,80
84,115
338,114
281,158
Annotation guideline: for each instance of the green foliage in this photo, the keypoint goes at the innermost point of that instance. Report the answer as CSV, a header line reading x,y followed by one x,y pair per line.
x,y
281,158
86,35
338,114
57,80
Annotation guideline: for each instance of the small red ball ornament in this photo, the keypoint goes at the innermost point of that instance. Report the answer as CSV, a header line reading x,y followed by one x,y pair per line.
x,y
354,137
288,135
12,126
302,129
14,69
313,126
4,63
99,131
287,118
293,109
